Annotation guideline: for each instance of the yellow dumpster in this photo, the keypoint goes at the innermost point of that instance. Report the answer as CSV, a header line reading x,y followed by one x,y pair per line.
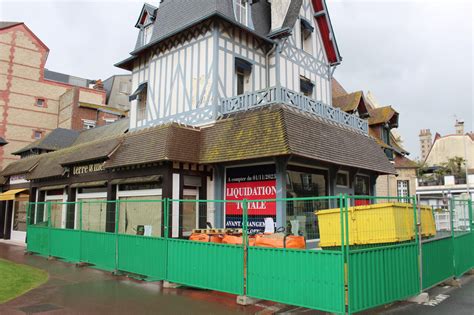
x,y
373,224
428,226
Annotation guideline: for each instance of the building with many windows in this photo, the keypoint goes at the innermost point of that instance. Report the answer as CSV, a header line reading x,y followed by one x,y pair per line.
x,y
230,99
35,100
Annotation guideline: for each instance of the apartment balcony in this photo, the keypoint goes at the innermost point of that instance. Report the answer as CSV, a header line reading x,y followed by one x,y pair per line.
x,y
281,95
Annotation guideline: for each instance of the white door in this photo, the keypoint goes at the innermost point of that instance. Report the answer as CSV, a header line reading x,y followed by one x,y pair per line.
x,y
18,231
190,214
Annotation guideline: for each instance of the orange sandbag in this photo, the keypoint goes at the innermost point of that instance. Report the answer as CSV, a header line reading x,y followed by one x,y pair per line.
x,y
271,240
294,241
199,237
232,239
216,238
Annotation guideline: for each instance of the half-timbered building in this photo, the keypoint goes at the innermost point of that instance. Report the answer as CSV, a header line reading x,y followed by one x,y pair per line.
x,y
231,99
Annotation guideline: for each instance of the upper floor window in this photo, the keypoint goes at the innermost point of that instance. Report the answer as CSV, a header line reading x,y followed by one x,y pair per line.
x,y
241,8
147,32
403,188
40,102
243,71
306,86
306,31
37,134
386,134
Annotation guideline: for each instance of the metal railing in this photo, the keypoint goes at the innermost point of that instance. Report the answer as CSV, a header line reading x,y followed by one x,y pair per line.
x,y
281,95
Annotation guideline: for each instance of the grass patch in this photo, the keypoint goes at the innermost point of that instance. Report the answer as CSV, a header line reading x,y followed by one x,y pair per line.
x,y
17,279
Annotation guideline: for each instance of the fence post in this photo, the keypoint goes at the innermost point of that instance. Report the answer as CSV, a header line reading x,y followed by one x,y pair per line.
x,y
80,230
451,217
417,228
343,252
347,251
165,233
245,241
49,228
117,213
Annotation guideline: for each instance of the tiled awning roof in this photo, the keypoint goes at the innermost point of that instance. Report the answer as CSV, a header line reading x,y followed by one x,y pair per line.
x,y
261,133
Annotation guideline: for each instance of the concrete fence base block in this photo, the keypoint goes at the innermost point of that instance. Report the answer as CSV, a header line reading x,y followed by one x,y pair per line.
x,y
454,283
245,300
82,264
420,298
170,285
471,272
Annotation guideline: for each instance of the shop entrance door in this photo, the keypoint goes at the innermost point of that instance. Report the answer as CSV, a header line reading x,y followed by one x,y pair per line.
x,y
190,214
19,219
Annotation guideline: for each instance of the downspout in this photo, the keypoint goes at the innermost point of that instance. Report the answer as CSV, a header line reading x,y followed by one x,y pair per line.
x,y
267,64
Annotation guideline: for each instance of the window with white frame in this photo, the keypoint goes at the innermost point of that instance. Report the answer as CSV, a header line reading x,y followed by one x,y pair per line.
x,y
241,9
243,72
147,32
306,32
342,179
403,188
306,86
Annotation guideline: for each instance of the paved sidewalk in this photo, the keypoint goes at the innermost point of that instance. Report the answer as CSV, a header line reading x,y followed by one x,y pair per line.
x,y
74,290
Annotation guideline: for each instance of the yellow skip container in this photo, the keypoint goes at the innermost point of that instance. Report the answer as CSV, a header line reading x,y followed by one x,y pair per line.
x,y
374,224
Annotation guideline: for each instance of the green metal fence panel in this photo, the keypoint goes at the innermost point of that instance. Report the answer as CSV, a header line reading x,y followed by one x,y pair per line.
x,y
307,278
98,248
382,275
142,255
438,263
206,265
65,244
38,240
463,252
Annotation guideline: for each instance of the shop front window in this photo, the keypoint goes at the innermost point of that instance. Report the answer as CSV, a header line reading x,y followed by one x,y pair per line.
x,y
300,217
19,215
139,215
362,188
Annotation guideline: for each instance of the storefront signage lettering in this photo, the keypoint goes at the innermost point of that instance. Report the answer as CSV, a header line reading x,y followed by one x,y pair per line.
x,y
86,169
18,179
254,183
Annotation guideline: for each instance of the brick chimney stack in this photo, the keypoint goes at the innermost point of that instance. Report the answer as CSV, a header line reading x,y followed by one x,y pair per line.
x,y
98,85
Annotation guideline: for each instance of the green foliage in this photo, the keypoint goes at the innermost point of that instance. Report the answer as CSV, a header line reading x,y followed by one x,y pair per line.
x,y
18,279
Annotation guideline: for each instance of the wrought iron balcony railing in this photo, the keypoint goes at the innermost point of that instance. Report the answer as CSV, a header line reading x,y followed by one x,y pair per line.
x,y
281,95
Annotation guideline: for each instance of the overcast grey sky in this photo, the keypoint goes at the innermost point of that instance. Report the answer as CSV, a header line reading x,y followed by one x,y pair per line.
x,y
414,55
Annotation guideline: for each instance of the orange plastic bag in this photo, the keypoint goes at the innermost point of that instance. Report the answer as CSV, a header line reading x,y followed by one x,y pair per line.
x,y
232,239
199,237
294,241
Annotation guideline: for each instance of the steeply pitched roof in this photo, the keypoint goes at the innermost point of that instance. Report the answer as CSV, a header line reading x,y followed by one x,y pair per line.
x,y
402,161
113,130
8,24
349,102
56,139
165,142
21,166
337,89
381,115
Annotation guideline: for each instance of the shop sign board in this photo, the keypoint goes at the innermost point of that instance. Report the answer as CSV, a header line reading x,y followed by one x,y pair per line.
x,y
254,183
18,179
86,169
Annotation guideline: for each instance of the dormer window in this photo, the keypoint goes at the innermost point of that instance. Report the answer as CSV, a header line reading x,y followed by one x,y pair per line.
x,y
306,32
241,9
147,32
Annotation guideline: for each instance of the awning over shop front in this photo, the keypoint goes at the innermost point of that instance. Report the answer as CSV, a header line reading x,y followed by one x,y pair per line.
x,y
135,180
10,194
56,187
99,183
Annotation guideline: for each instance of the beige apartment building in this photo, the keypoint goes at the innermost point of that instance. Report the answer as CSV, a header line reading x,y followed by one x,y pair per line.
x,y
31,105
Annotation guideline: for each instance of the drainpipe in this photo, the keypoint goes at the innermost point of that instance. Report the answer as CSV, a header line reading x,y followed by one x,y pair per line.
x,y
267,64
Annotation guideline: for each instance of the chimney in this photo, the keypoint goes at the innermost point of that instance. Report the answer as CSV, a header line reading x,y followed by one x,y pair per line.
x,y
98,85
459,126
279,10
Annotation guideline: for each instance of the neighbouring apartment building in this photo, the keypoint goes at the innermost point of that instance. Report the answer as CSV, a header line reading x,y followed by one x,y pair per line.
x,y
383,121
34,100
230,99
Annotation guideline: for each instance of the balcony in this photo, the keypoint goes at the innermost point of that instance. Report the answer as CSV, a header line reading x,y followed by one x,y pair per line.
x,y
281,95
